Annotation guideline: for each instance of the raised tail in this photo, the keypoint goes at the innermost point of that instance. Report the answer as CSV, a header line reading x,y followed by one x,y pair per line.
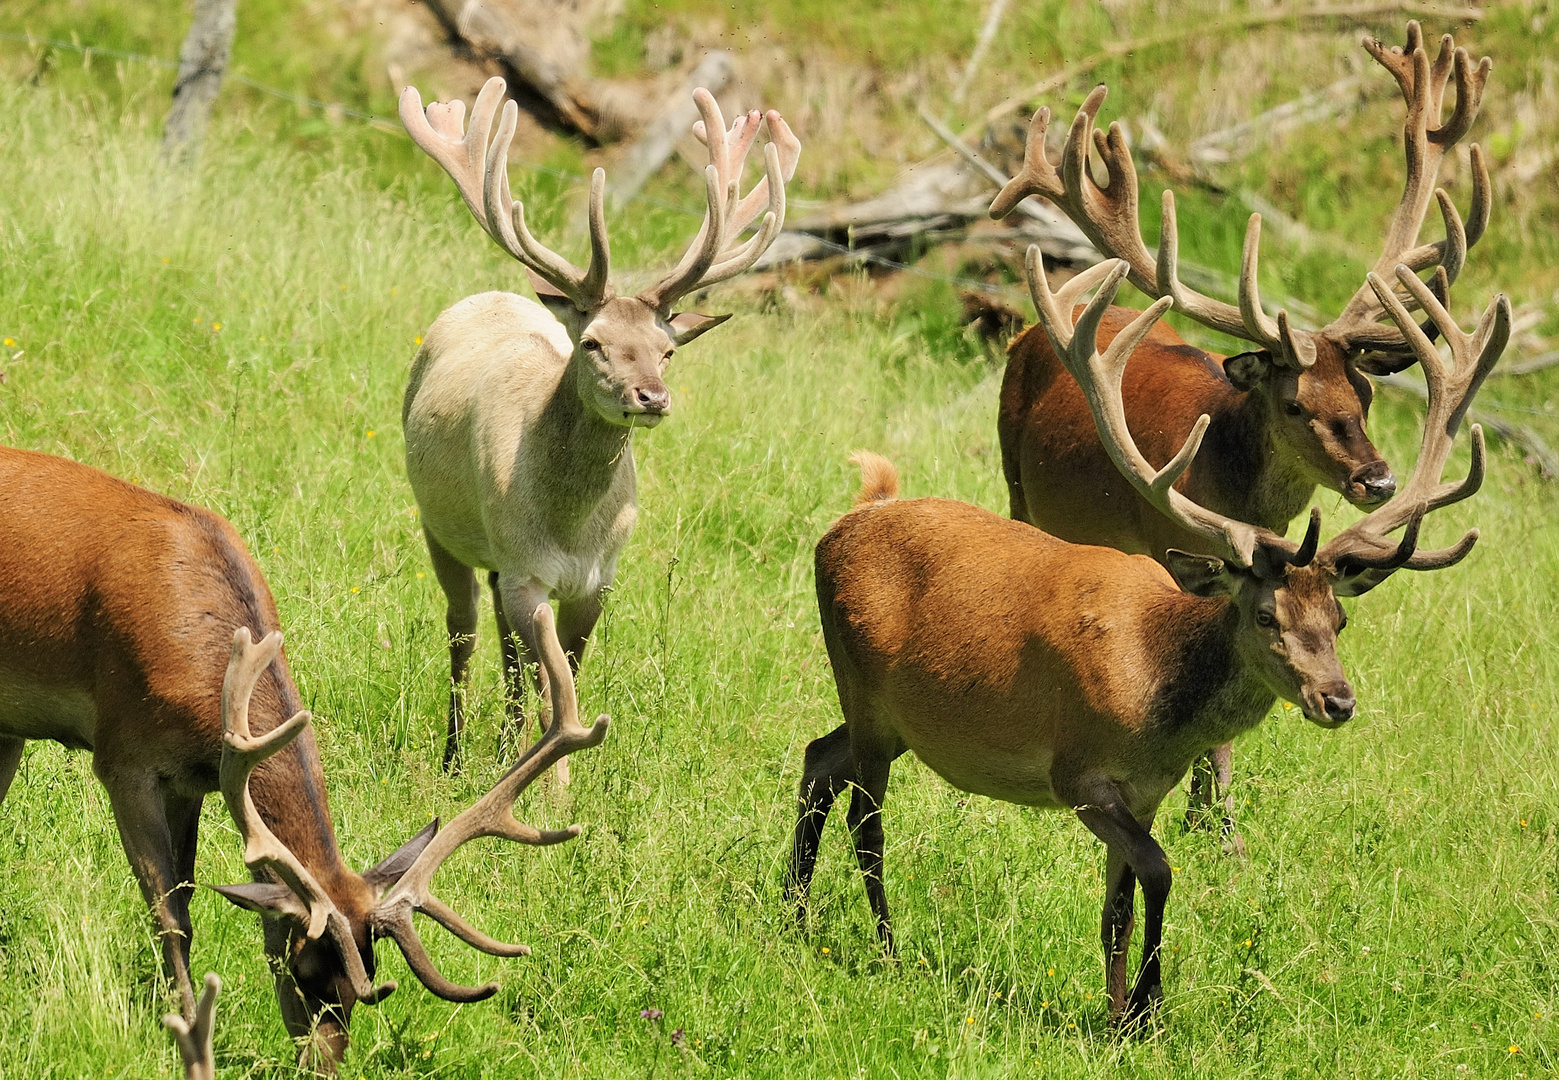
x,y
879,479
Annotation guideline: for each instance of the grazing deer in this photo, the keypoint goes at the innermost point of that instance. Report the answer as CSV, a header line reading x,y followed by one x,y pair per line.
x,y
1026,668
119,607
1285,417
519,422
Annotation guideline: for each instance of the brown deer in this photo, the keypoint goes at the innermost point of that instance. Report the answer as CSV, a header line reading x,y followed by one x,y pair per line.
x,y
1026,668
519,417
120,605
1285,417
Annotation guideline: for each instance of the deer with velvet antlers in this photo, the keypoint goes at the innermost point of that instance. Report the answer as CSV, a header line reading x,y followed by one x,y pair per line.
x,y
1284,417
120,605
519,416
1025,668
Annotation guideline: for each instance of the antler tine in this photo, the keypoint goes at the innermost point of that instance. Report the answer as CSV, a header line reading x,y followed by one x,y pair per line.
x,y
734,145
1108,216
1036,177
738,260
242,753
1452,385
491,815
585,288
194,1039
743,212
481,174
1099,377
1426,140
1292,349
463,155
710,240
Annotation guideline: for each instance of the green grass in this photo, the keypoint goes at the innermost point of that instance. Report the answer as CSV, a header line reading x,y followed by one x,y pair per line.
x,y
1396,918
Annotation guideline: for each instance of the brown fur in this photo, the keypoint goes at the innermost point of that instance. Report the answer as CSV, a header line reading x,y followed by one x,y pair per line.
x,y
120,606
1052,674
1257,464
879,479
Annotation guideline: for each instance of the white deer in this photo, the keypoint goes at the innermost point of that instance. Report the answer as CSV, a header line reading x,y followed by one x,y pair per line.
x,y
519,417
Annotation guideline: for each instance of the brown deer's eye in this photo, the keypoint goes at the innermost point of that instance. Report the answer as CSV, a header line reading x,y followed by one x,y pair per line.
x,y
1264,618
1293,408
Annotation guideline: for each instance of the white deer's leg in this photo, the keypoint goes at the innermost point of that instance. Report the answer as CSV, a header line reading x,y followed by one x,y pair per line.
x,y
520,600
461,593
576,619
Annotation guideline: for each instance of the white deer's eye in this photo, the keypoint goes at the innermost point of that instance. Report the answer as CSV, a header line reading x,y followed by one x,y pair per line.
x,y
590,345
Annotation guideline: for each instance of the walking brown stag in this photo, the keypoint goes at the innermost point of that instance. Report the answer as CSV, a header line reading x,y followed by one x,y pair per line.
x,y
1025,668
1285,417
120,606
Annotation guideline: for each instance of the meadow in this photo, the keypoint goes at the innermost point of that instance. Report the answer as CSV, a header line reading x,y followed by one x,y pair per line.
x,y
240,340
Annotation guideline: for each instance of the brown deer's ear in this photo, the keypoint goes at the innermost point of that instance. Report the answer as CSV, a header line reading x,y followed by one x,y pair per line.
x,y
1199,575
269,899
392,866
1246,370
687,325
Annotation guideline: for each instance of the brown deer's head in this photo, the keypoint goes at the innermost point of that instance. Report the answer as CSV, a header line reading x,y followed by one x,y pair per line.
x,y
1285,595
324,930
1312,382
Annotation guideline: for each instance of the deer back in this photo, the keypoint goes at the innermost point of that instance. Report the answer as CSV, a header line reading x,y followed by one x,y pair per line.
x,y
995,651
1258,463
119,606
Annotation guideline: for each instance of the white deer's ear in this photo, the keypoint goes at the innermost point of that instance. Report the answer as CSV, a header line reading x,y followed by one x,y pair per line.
x,y
687,325
562,308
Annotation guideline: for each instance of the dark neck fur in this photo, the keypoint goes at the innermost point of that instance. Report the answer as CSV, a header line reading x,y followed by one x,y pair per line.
x,y
1241,475
1212,696
289,788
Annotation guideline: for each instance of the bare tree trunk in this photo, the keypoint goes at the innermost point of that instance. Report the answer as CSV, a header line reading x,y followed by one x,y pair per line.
x,y
202,62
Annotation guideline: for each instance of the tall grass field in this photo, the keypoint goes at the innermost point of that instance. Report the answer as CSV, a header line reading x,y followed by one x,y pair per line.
x,y
240,339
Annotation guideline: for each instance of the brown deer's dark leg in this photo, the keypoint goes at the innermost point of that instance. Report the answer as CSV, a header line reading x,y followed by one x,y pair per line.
x,y
137,802
10,761
1129,840
828,767
182,813
1120,898
461,593
865,818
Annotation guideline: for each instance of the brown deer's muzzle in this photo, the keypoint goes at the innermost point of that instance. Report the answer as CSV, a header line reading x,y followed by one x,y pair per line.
x,y
1371,484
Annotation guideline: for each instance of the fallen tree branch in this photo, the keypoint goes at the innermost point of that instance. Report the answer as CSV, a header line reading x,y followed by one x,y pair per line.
x,y
1534,363
1352,13
558,99
675,121
987,35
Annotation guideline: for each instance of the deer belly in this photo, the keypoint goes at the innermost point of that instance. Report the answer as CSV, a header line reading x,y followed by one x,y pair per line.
x,y
1017,777
30,710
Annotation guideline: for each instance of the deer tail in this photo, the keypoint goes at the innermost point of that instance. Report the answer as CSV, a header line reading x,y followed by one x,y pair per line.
x,y
879,479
